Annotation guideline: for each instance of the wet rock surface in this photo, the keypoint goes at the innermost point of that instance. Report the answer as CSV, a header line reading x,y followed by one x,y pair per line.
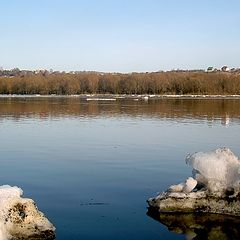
x,y
195,202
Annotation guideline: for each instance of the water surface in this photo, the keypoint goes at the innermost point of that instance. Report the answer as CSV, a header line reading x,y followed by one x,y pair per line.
x,y
90,166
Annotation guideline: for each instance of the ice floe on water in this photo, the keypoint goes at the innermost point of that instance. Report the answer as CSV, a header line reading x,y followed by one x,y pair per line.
x,y
20,218
213,187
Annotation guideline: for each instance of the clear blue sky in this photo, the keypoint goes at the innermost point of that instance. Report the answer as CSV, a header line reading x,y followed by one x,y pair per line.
x,y
119,35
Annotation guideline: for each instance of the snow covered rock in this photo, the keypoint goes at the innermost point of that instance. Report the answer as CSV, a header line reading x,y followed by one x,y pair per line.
x,y
214,186
20,218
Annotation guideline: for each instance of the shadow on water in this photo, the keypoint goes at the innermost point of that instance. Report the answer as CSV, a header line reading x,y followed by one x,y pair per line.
x,y
199,226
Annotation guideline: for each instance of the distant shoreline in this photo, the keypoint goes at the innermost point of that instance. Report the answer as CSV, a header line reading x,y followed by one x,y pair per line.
x,y
114,97
166,84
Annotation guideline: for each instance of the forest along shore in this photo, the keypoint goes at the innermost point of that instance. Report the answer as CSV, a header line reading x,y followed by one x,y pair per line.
x,y
169,84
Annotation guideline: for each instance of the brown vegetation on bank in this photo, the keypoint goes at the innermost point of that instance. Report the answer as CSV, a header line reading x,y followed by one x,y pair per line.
x,y
135,83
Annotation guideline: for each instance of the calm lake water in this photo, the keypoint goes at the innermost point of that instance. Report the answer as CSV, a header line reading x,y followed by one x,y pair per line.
x,y
91,166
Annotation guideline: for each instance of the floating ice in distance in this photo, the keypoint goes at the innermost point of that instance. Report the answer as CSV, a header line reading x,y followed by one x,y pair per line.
x,y
20,218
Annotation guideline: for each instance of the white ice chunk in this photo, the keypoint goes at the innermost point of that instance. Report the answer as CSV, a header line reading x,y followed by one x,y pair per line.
x,y
190,184
218,169
185,187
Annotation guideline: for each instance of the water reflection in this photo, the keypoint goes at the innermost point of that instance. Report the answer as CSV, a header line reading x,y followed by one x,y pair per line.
x,y
130,150
225,110
199,226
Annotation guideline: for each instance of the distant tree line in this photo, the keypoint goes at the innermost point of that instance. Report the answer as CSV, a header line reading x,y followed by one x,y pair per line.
x,y
117,83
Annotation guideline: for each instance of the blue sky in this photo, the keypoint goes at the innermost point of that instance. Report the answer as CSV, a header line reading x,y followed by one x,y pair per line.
x,y
119,35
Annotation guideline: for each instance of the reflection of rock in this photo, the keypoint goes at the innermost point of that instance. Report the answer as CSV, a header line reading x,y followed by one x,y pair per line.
x,y
20,218
214,187
199,226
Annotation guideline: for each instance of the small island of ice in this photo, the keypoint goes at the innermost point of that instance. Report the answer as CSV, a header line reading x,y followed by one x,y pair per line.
x,y
20,218
214,186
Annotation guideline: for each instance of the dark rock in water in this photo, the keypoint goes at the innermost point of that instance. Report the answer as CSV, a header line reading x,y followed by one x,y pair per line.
x,y
199,226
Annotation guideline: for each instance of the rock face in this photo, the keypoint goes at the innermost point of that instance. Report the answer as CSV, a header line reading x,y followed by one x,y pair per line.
x,y
214,186
20,218
195,202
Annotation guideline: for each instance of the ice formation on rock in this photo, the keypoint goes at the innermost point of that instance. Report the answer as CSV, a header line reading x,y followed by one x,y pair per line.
x,y
214,186
185,187
218,170
20,218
